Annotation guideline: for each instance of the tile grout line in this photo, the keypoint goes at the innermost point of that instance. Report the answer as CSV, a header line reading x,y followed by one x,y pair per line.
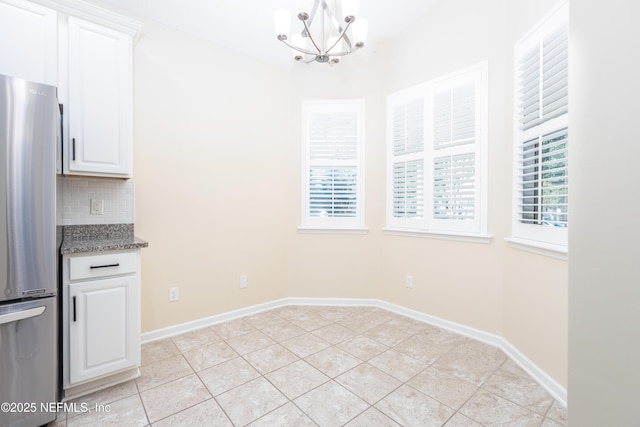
x,y
290,400
334,379
334,320
144,408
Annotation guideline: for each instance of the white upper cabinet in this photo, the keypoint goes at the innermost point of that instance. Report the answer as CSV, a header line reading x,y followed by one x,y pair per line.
x,y
99,106
86,51
29,41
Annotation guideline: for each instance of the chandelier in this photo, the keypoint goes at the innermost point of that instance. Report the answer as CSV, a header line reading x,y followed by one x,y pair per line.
x,y
327,33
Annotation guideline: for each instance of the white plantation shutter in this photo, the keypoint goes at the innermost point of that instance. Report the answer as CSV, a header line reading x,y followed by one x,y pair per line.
x,y
333,136
408,189
456,147
555,73
454,117
543,196
408,127
530,88
454,187
541,187
407,158
543,74
333,143
333,192
436,141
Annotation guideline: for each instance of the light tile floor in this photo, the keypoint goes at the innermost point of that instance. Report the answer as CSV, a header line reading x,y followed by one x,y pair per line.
x,y
323,366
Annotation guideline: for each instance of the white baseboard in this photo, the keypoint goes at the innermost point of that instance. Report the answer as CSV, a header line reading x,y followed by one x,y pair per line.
x,y
181,328
458,328
549,384
73,392
338,302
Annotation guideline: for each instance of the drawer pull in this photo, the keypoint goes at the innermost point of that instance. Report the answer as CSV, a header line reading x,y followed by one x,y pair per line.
x,y
105,266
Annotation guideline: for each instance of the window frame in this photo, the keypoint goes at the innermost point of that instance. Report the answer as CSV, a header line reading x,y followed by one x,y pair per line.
x,y
538,238
427,226
316,224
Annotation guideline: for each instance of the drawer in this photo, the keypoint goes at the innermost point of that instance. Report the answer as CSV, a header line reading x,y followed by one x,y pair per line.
x,y
112,264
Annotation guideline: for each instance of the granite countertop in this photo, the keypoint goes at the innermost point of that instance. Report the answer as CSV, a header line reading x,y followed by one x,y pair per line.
x,y
99,238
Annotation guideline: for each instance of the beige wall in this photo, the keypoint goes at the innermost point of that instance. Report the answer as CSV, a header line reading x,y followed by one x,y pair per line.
x,y
193,101
604,272
211,176
339,265
457,281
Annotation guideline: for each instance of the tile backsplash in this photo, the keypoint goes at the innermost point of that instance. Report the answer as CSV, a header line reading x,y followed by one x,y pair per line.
x,y
74,195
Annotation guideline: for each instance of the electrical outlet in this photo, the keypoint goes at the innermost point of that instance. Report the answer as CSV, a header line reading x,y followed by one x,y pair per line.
x,y
97,207
174,294
409,282
243,281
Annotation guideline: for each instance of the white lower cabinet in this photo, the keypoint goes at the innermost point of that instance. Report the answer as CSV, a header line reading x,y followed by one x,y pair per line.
x,y
101,320
101,337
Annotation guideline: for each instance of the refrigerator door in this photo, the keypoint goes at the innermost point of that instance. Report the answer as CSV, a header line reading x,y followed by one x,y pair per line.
x,y
28,120
28,362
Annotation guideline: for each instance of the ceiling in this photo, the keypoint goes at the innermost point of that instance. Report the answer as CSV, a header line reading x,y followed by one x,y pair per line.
x,y
246,26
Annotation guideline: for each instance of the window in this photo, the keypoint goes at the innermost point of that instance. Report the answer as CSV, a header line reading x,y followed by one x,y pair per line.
x,y
436,151
541,186
333,149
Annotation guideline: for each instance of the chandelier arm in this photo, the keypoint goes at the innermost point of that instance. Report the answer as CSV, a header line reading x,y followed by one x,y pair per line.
x,y
299,49
310,37
307,60
336,23
341,37
345,52
314,10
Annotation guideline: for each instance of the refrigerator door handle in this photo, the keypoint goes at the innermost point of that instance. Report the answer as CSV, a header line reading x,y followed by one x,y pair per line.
x,y
20,315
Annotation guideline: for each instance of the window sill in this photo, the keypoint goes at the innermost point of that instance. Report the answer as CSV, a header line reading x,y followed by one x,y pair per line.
x,y
539,248
458,237
318,230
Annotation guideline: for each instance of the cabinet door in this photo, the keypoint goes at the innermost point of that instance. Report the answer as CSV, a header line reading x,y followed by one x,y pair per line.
x,y
28,45
100,141
104,327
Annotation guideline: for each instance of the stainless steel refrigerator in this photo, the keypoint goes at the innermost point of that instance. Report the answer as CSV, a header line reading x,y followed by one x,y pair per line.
x,y
29,125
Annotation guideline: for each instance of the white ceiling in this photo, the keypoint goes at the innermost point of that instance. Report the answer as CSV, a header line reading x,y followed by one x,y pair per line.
x,y
246,26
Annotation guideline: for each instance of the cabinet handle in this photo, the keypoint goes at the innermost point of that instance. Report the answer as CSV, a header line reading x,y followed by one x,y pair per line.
x,y
74,309
73,149
105,266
